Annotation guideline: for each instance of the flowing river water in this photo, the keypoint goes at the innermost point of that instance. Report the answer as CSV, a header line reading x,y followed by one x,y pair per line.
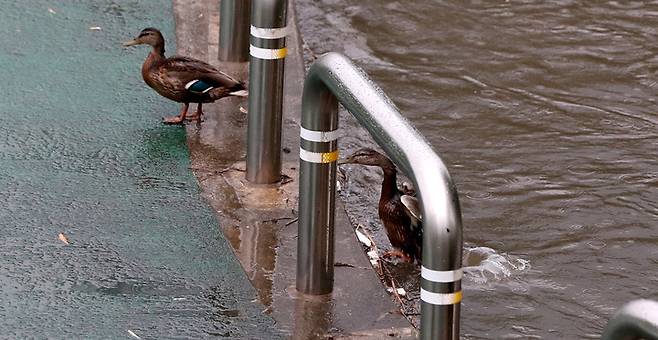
x,y
545,114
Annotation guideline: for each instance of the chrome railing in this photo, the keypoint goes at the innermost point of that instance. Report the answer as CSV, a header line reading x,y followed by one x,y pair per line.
x,y
331,79
636,320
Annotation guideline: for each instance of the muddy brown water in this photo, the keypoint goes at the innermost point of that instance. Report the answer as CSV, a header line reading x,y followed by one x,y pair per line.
x,y
545,113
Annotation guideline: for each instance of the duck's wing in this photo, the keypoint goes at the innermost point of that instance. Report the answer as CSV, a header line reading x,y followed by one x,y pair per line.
x,y
407,188
196,75
412,208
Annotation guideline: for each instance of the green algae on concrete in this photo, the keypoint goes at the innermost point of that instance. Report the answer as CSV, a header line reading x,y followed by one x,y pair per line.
x,y
83,152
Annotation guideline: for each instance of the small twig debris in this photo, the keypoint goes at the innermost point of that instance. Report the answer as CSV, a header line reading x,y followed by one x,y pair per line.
x,y
291,222
285,179
342,264
276,219
133,334
398,291
363,238
63,238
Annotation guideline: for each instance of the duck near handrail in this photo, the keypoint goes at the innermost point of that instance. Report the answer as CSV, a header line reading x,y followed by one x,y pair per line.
x,y
398,209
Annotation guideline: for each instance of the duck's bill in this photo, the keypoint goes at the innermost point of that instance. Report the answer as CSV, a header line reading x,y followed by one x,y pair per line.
x,y
131,43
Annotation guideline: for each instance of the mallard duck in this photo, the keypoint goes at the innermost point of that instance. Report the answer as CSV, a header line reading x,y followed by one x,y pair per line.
x,y
183,79
399,212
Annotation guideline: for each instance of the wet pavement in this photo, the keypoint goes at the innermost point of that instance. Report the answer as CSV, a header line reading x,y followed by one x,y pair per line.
x,y
259,220
545,113
83,153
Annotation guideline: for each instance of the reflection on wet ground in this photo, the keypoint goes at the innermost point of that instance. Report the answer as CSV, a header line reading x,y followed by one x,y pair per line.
x,y
259,220
545,113
256,245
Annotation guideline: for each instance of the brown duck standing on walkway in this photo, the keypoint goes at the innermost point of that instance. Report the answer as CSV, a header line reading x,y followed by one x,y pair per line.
x,y
400,213
182,79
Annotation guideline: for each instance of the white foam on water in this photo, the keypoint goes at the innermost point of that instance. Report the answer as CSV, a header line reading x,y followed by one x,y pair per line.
x,y
484,265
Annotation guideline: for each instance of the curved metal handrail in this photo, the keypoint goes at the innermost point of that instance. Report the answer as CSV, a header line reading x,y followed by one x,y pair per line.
x,y
334,78
635,320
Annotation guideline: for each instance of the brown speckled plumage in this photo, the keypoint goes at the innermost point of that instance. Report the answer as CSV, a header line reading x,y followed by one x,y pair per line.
x,y
169,76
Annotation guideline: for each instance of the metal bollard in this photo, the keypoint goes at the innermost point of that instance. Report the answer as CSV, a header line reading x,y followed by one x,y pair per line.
x,y
234,30
318,154
267,50
635,320
333,78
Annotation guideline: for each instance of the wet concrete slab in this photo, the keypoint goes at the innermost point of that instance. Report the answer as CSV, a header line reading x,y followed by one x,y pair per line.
x,y
260,220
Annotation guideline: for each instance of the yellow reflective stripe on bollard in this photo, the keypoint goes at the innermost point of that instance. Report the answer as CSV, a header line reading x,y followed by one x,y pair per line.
x,y
318,157
329,157
267,53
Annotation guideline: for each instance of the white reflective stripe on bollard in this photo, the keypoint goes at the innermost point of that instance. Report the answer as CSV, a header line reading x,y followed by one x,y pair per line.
x,y
269,33
444,276
267,53
441,299
318,157
318,136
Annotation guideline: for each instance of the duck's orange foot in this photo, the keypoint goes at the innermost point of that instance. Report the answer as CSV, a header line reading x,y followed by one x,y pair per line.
x,y
396,253
198,117
173,120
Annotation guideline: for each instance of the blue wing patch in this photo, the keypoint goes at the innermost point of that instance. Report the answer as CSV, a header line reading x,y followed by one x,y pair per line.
x,y
198,86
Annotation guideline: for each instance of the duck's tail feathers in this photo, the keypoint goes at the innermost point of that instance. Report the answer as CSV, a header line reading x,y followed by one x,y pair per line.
x,y
240,93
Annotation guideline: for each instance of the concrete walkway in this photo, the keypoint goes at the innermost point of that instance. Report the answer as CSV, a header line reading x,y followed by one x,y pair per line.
x,y
257,219
83,153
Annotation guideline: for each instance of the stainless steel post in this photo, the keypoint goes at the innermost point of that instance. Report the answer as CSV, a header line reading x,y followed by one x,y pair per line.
x,y
317,189
267,50
234,30
334,78
635,320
